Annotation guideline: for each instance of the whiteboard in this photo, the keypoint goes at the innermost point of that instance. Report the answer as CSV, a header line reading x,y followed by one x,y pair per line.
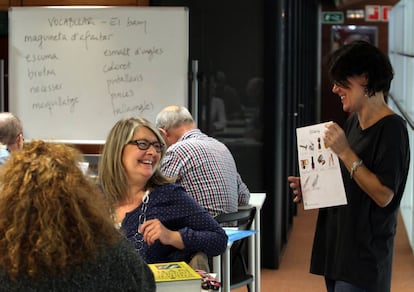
x,y
75,71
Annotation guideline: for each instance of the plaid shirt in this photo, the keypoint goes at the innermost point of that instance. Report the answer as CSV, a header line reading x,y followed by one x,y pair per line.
x,y
206,169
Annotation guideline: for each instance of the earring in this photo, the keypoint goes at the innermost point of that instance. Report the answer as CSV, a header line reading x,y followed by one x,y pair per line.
x,y
366,92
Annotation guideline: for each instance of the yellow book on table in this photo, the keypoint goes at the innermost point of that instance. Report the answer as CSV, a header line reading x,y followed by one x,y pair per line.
x,y
175,276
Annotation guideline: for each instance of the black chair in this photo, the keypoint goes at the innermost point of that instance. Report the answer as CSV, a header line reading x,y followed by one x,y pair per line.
x,y
242,219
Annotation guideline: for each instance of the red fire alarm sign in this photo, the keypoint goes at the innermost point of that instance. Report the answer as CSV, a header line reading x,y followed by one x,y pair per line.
x,y
372,13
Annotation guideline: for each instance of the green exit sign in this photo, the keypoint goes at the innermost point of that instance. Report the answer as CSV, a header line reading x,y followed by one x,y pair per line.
x,y
332,17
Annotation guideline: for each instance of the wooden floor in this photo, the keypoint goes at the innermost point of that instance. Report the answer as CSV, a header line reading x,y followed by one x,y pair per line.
x,y
293,275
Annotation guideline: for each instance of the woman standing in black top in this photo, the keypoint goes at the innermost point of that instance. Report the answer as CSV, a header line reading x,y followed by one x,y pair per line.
x,y
353,244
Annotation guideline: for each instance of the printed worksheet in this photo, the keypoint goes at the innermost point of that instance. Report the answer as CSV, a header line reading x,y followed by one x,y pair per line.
x,y
319,169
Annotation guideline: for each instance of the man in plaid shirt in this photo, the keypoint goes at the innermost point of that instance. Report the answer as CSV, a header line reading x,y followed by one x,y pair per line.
x,y
203,165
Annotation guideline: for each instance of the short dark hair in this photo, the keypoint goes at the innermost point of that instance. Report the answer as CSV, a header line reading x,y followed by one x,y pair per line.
x,y
358,58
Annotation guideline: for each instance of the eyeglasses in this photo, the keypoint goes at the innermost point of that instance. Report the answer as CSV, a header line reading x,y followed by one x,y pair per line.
x,y
145,145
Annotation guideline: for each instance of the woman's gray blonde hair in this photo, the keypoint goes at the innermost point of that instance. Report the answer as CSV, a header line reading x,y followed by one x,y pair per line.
x,y
112,175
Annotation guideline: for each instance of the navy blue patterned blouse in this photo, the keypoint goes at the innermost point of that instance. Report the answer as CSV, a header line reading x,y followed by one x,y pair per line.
x,y
177,211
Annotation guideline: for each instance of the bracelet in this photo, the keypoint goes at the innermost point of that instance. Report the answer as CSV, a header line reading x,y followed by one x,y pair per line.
x,y
354,167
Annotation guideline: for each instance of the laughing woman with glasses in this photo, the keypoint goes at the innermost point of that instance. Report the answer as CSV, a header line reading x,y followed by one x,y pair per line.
x,y
162,221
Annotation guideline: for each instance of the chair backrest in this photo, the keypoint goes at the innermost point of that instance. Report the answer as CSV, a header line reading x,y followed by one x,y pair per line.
x,y
243,218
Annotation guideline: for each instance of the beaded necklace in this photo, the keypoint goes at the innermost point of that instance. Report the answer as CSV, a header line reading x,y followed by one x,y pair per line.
x,y
138,238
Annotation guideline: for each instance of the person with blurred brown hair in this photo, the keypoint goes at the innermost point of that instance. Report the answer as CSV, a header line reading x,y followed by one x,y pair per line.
x,y
55,230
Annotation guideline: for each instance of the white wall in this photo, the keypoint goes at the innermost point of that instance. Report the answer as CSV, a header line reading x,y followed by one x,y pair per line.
x,y
401,52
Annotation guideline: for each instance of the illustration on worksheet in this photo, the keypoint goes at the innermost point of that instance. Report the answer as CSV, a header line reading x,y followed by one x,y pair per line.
x,y
319,169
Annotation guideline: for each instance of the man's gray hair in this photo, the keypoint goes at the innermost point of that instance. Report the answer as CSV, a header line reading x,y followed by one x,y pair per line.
x,y
10,127
173,116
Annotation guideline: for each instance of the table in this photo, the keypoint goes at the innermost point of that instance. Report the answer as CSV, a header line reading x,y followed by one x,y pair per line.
x,y
234,235
254,265
257,200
